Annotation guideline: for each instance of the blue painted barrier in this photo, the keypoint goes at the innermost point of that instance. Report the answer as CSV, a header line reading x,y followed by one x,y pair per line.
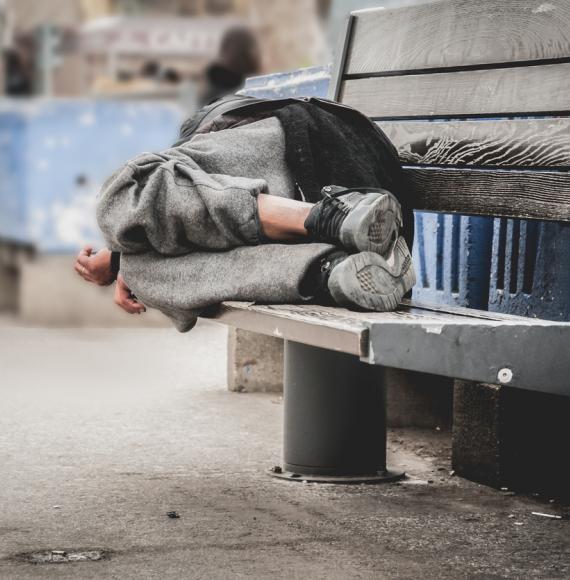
x,y
452,257
530,273
55,154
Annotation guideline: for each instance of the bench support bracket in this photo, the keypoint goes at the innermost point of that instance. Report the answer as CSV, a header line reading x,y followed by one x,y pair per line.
x,y
335,418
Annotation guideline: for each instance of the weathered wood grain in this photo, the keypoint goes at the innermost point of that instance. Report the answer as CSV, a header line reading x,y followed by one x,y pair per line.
x,y
531,89
333,330
336,328
508,193
408,305
534,143
458,33
354,321
340,59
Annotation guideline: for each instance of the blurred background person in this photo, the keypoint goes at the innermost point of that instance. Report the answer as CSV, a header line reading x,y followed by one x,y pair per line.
x,y
239,57
18,70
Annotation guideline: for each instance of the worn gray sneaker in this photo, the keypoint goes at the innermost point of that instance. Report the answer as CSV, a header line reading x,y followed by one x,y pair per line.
x,y
356,219
370,282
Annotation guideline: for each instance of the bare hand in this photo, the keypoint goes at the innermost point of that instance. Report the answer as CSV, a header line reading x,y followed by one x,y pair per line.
x,y
95,268
126,299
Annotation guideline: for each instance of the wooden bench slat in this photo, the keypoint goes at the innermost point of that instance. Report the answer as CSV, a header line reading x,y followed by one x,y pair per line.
x,y
530,143
521,90
458,311
313,326
458,33
324,326
448,341
543,195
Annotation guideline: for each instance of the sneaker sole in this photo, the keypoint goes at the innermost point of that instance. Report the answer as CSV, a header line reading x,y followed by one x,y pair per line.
x,y
373,225
369,282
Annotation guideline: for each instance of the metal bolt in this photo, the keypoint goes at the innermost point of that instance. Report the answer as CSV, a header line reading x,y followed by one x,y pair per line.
x,y
505,376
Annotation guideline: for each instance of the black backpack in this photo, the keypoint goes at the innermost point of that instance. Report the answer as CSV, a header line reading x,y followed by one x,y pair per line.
x,y
244,105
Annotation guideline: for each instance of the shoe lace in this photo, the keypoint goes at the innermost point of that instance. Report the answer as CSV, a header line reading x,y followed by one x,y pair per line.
x,y
331,214
333,211
325,223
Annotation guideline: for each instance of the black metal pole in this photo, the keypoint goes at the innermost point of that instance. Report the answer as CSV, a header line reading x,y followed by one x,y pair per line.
x,y
335,418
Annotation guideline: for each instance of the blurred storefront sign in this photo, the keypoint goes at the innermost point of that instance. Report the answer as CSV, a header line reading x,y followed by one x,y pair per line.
x,y
159,37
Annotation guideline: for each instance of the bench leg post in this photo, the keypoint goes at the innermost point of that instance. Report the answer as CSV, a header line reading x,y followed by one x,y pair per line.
x,y
335,418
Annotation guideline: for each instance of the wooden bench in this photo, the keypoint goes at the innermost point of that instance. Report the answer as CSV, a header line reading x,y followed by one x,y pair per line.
x,y
475,96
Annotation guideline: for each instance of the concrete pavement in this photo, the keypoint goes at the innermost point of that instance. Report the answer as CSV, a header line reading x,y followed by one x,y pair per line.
x,y
102,432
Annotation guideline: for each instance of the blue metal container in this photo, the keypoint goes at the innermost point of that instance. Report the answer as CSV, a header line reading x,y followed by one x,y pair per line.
x,y
531,269
57,153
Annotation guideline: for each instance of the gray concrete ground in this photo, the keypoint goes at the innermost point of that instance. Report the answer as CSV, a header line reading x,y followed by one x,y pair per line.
x,y
102,432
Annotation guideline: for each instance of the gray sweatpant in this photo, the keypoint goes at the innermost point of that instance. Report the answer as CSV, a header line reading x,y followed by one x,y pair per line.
x,y
185,221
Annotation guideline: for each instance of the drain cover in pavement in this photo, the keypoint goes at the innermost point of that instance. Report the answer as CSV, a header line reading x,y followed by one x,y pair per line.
x,y
63,556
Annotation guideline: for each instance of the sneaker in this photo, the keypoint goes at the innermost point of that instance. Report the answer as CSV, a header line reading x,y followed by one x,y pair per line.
x,y
370,282
359,220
